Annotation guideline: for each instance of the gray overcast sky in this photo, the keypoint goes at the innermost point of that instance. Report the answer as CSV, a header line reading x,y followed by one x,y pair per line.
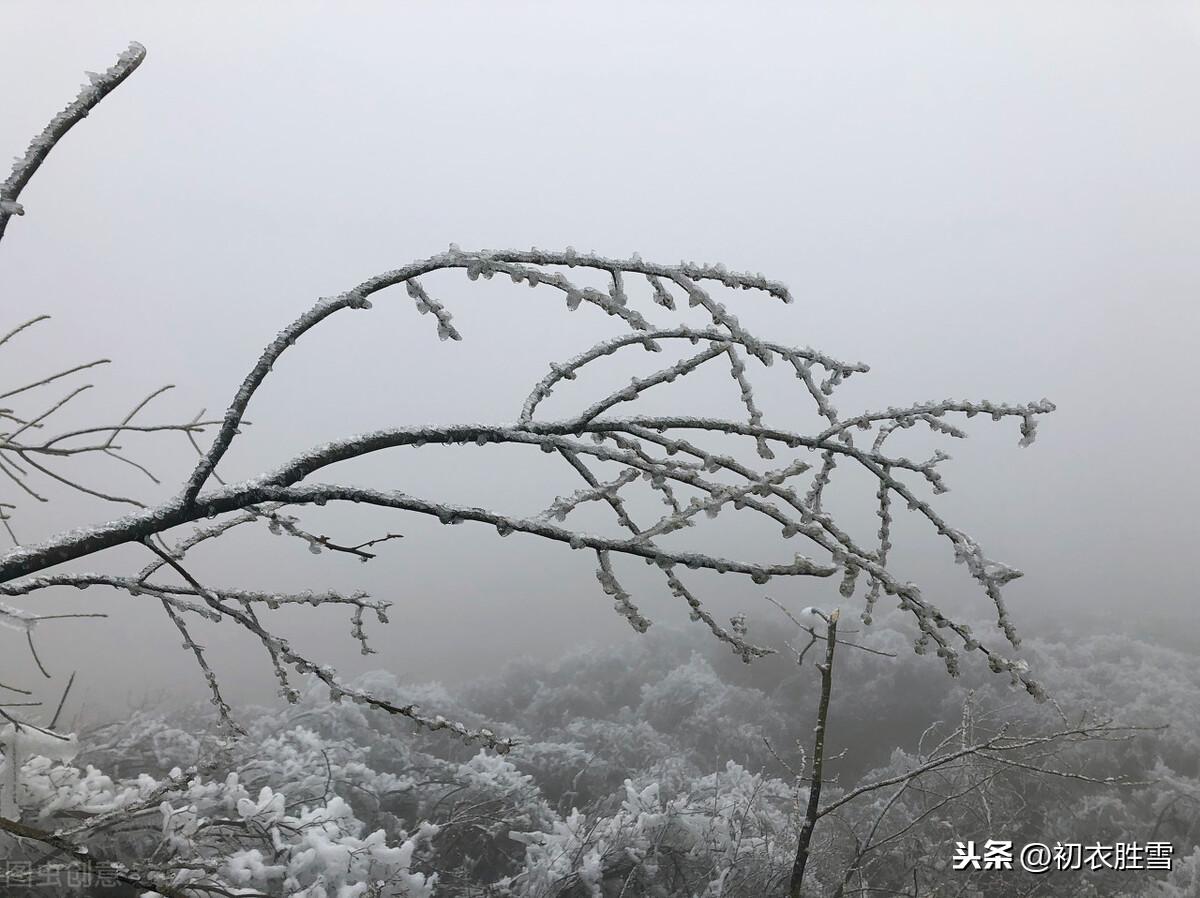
x,y
980,200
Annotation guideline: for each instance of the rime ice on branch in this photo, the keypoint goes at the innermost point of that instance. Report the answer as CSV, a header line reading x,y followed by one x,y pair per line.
x,y
98,86
693,465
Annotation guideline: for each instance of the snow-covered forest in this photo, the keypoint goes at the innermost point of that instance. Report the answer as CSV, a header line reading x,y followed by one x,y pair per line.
x,y
661,768
633,591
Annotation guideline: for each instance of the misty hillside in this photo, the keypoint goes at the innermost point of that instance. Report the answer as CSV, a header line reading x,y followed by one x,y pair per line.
x,y
659,769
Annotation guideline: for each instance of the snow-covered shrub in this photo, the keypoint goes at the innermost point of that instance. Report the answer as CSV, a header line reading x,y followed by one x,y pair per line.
x,y
729,835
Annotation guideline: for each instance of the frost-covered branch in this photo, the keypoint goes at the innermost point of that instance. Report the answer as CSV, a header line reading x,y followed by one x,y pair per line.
x,y
98,87
690,463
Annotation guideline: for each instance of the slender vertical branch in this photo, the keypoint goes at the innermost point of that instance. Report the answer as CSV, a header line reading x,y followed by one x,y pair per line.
x,y
62,701
812,814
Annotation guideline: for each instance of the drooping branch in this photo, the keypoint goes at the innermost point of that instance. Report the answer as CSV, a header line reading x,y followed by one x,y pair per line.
x,y
528,267
693,464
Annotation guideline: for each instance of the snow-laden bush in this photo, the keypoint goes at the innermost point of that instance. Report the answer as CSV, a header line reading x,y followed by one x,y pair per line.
x,y
729,835
189,831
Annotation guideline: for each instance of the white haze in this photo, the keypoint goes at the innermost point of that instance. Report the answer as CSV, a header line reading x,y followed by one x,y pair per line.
x,y
980,200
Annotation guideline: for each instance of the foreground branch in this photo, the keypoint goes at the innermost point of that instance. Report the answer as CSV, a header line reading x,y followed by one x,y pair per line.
x,y
696,466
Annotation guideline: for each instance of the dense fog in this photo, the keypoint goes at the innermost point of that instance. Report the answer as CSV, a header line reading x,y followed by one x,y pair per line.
x,y
982,203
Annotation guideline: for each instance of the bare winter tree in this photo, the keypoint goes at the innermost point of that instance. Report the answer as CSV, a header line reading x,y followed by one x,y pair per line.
x,y
695,466
956,770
